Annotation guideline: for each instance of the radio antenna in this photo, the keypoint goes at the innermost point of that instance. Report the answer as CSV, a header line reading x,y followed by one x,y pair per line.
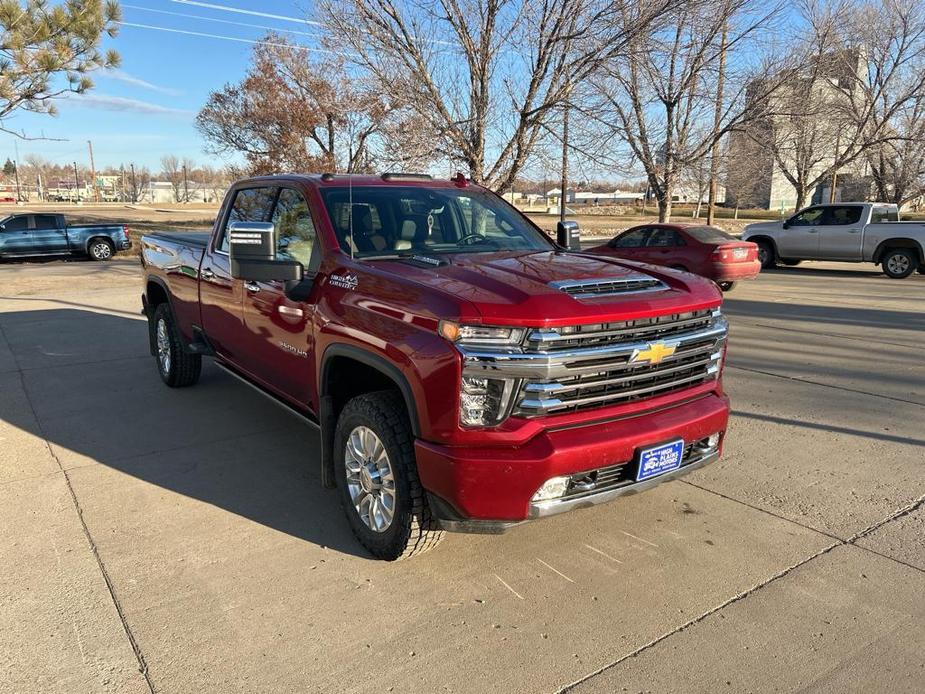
x,y
350,214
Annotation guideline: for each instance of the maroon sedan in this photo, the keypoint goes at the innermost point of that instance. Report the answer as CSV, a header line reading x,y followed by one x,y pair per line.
x,y
701,249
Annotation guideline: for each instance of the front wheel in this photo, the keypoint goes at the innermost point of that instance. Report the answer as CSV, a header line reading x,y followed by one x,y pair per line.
x,y
727,286
377,478
177,368
766,255
898,263
100,249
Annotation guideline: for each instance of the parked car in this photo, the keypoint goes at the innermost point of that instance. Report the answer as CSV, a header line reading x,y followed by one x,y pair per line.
x,y
847,232
29,234
466,373
703,250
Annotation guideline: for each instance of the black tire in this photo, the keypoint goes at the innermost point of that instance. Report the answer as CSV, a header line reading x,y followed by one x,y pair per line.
x,y
100,250
412,529
766,254
179,369
790,263
727,286
898,263
922,269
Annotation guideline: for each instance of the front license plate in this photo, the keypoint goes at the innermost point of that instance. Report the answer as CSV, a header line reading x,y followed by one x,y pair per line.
x,y
658,460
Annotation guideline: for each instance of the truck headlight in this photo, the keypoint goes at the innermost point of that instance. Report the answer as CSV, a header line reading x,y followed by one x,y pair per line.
x,y
481,335
484,401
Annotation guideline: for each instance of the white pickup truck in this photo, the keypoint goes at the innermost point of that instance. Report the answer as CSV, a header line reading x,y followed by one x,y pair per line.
x,y
847,232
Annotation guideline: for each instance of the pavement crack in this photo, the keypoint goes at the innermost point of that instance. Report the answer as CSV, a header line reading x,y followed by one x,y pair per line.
x,y
898,513
825,385
136,649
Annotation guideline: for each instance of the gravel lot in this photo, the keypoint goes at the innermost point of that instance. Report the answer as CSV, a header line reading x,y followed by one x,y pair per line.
x,y
179,541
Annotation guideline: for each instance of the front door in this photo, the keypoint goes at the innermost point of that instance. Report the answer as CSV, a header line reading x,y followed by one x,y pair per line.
x,y
221,296
800,240
16,236
631,244
279,329
840,233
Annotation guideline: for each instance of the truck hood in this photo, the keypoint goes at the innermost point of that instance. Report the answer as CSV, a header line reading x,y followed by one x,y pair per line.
x,y
761,228
520,289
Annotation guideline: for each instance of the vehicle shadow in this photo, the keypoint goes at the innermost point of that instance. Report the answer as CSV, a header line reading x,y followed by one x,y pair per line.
x,y
218,442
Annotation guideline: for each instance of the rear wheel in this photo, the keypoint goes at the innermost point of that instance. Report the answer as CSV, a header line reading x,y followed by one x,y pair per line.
x,y
898,263
727,286
766,255
377,478
177,368
100,249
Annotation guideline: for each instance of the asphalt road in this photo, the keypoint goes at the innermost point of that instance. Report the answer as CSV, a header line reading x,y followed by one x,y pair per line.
x,y
179,541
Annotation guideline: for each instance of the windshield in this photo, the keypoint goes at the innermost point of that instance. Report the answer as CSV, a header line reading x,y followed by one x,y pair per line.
x,y
710,234
390,220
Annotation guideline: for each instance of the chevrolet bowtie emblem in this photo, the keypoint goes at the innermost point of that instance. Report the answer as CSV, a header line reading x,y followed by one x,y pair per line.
x,y
654,353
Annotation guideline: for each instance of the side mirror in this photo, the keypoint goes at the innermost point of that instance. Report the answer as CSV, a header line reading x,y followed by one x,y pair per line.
x,y
252,251
568,235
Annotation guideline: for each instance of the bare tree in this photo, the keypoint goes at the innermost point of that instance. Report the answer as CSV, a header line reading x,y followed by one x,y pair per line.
x,y
660,97
485,78
172,171
898,166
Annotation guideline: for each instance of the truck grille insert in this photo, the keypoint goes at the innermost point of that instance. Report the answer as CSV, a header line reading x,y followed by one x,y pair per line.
x,y
602,365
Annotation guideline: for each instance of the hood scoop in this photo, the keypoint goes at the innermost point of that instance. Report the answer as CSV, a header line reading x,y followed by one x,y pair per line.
x,y
634,283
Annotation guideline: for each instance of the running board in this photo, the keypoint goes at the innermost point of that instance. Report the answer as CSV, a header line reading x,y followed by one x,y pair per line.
x,y
303,416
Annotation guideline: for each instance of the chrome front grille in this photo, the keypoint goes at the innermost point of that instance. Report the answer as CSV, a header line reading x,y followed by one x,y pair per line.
x,y
582,367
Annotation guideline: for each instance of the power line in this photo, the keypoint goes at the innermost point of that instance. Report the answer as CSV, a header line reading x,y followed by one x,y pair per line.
x,y
255,13
255,42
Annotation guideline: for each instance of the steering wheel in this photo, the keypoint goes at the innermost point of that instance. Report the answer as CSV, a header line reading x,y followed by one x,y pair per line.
x,y
471,239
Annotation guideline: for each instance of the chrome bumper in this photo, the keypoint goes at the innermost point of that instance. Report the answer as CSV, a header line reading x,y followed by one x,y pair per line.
x,y
541,509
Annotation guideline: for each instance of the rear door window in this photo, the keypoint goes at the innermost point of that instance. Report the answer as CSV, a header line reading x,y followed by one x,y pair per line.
x,y
842,215
664,238
46,221
250,205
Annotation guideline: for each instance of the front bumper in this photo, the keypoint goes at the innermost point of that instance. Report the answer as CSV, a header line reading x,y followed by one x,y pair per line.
x,y
490,489
124,245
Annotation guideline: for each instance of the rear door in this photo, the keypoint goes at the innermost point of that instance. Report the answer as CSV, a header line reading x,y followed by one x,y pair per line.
x,y
279,334
800,240
665,247
631,244
840,233
221,297
48,235
17,236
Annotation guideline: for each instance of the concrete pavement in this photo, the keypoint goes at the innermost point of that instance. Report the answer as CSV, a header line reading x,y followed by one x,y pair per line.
x,y
179,541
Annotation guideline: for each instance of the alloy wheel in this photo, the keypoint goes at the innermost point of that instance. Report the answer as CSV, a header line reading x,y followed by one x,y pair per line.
x,y
370,481
163,347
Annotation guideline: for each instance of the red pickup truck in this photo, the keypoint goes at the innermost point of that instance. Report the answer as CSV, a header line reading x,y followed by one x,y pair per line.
x,y
466,372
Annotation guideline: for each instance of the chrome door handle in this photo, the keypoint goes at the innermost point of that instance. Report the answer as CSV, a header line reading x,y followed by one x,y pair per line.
x,y
207,275
252,287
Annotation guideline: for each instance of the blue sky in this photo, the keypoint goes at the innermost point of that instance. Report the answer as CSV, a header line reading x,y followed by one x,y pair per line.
x,y
147,108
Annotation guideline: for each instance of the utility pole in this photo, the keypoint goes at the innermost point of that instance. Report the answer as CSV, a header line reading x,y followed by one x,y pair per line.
x,y
76,182
96,192
16,173
185,185
134,188
122,188
835,168
717,121
564,163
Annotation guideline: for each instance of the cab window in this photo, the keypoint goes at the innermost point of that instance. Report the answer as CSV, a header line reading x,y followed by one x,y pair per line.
x,y
841,215
296,238
884,214
807,218
250,205
16,224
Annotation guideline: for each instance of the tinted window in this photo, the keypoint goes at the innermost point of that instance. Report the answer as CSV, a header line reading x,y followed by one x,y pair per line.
x,y
884,214
250,205
807,218
632,239
295,231
843,214
46,221
17,223
710,234
664,238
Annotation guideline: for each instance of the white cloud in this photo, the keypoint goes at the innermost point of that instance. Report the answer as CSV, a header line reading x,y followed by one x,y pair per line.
x,y
119,103
126,78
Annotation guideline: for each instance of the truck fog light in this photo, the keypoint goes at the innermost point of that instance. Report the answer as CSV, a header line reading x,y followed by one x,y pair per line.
x,y
552,488
484,401
713,440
